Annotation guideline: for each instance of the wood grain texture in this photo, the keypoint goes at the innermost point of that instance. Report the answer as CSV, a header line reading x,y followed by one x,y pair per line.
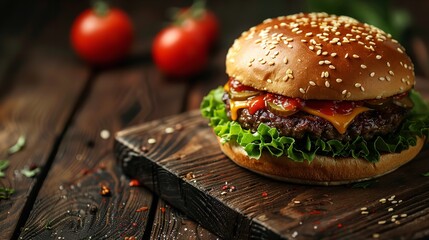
x,y
118,97
260,207
30,107
169,223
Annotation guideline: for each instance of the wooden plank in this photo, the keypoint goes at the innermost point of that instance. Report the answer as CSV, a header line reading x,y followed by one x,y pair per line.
x,y
31,108
170,223
286,210
122,96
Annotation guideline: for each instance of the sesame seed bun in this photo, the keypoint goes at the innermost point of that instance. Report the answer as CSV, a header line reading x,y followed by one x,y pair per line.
x,y
320,56
322,170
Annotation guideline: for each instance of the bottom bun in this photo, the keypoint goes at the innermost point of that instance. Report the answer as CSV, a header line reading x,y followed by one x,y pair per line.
x,y
322,170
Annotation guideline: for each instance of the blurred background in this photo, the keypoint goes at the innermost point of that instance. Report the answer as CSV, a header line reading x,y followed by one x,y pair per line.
x,y
24,22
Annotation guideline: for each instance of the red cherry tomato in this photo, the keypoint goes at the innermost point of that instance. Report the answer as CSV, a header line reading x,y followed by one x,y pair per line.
x,y
178,53
205,26
102,39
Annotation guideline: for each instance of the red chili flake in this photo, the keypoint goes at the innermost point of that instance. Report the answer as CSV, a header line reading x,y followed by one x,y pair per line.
x,y
339,225
225,187
232,188
32,166
135,224
130,238
162,209
134,183
85,171
264,194
315,212
142,209
105,191
178,127
102,166
144,149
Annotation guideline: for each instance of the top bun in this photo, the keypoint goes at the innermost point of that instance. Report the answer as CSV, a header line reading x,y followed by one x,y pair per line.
x,y
320,56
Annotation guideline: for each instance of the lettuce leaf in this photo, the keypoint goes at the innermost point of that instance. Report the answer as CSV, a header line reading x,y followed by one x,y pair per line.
x,y
268,139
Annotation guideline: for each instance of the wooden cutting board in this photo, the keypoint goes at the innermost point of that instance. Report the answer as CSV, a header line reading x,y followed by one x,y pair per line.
x,y
179,159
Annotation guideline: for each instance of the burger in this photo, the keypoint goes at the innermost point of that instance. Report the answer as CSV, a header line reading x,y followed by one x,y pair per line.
x,y
318,99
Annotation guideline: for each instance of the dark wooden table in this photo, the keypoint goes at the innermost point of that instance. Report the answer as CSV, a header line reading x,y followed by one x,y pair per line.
x,y
69,113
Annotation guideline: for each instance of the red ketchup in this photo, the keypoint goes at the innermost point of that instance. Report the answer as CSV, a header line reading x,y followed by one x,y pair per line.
x,y
331,108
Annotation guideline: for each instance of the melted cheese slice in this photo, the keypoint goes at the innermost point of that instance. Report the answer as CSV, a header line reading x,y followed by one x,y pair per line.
x,y
234,106
340,121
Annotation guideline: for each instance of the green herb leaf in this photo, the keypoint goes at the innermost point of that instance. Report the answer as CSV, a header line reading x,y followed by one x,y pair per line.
x,y
48,225
5,193
363,184
30,173
269,139
20,143
425,174
3,165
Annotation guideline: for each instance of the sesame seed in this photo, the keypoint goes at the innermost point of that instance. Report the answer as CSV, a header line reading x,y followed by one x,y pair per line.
x,y
249,65
363,66
383,200
346,56
344,92
358,85
285,60
362,89
403,80
324,53
381,78
364,212
364,209
303,40
338,80
252,60
382,222
400,50
311,48
321,62
308,34
272,47
395,216
388,64
312,83
375,235
378,97
289,46
348,94
355,56
391,73
169,130
403,215
390,209
331,66
319,52
271,63
302,90
327,84
296,202
327,62
372,74
151,141
333,54
388,78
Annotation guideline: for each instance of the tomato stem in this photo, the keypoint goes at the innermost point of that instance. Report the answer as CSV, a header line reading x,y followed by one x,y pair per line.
x,y
100,7
195,11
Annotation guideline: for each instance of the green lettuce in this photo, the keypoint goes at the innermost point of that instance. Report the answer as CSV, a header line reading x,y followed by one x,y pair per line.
x,y
269,139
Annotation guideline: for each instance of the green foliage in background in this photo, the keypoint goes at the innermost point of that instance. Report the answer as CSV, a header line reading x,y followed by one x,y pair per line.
x,y
379,13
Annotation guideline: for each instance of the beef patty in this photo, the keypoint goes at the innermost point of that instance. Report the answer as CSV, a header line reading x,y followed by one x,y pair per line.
x,y
301,124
